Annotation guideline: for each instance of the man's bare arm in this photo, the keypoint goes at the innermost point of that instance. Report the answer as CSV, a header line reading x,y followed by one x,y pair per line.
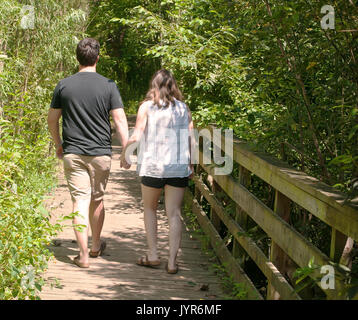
x,y
121,125
138,129
53,121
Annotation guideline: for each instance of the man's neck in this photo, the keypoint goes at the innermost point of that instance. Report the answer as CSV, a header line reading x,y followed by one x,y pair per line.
x,y
87,68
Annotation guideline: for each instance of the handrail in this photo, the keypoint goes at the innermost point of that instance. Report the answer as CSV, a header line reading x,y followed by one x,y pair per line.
x,y
291,185
316,197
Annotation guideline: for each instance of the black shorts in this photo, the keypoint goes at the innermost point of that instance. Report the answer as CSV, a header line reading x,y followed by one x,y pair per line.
x,y
161,182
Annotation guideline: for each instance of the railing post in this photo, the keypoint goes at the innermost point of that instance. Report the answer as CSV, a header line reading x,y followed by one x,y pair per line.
x,y
277,255
241,217
346,258
215,219
197,193
338,241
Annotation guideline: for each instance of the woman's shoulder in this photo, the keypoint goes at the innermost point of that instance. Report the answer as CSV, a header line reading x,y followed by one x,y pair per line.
x,y
182,106
180,103
146,104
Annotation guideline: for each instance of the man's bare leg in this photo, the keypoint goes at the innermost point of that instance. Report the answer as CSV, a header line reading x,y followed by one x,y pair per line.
x,y
82,207
96,218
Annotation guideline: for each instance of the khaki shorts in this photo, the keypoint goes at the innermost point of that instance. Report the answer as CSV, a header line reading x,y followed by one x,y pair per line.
x,y
87,176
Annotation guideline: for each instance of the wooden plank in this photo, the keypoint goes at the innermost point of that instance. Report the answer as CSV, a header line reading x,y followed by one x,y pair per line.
x,y
241,218
256,254
115,274
129,291
292,242
231,265
283,208
200,274
318,198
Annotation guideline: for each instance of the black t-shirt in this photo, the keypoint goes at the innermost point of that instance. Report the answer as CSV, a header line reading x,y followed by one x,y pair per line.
x,y
86,99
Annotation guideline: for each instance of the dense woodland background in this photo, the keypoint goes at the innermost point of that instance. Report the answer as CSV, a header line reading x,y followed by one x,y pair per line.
x,y
264,68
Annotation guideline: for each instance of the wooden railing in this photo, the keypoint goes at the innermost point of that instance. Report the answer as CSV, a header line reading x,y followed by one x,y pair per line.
x,y
287,247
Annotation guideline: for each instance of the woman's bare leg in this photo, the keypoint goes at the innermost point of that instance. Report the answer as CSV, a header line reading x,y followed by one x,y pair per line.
x,y
173,202
150,201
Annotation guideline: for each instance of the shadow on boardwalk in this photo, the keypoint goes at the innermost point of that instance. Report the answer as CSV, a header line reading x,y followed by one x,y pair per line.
x,y
115,274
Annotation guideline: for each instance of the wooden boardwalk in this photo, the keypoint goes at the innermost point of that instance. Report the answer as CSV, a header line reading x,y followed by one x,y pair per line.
x,y
115,276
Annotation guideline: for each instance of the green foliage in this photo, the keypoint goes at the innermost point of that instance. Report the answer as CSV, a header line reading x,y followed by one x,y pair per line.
x,y
266,69
237,291
303,273
25,228
32,61
308,277
123,53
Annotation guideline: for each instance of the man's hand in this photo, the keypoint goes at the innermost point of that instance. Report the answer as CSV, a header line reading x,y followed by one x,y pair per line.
x,y
59,152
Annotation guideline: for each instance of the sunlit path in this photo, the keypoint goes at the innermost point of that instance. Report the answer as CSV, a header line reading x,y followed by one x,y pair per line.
x,y
115,274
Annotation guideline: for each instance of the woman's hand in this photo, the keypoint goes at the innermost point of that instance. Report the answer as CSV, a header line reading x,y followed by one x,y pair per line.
x,y
191,166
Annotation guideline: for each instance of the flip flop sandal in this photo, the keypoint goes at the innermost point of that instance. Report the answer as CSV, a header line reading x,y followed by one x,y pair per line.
x,y
77,262
95,254
143,261
171,271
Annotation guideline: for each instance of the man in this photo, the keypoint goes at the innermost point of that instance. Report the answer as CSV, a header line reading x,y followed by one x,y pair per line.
x,y
85,101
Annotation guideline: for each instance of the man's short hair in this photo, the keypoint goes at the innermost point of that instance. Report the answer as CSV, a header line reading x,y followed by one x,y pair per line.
x,y
87,51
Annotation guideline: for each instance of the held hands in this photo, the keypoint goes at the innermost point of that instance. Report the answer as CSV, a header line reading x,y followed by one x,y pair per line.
x,y
124,163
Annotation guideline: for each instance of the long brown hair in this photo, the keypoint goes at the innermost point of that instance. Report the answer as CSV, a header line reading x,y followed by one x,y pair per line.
x,y
163,87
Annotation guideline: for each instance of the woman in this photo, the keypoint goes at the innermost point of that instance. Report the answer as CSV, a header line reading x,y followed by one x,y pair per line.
x,y
163,128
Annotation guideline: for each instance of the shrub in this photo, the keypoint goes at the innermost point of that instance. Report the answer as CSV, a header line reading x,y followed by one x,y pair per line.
x,y
32,62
